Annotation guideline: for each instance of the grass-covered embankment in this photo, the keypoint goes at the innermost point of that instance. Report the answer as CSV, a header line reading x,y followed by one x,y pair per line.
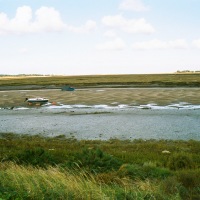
x,y
131,80
34,167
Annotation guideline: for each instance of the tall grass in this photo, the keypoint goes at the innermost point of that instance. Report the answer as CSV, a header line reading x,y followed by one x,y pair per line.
x,y
53,183
18,182
33,167
37,183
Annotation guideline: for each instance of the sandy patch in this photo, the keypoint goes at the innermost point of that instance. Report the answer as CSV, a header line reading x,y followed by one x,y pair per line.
x,y
107,96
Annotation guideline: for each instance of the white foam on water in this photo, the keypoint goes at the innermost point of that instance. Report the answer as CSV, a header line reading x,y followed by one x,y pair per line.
x,y
123,106
153,106
80,106
22,108
102,106
59,106
181,105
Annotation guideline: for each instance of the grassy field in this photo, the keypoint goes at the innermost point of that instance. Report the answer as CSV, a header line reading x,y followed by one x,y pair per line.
x,y
140,80
34,167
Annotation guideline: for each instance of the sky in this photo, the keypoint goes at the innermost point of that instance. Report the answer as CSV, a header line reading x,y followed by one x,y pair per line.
x,y
84,37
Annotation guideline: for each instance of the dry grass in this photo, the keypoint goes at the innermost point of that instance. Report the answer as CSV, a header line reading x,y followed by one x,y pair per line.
x,y
54,183
96,80
37,183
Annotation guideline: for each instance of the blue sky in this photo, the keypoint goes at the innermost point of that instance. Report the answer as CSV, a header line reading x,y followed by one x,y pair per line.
x,y
99,37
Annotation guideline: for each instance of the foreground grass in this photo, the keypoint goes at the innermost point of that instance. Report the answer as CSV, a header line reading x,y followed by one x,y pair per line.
x,y
141,80
34,167
53,183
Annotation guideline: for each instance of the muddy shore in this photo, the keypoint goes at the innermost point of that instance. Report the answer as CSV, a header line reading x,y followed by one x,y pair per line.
x,y
92,124
107,96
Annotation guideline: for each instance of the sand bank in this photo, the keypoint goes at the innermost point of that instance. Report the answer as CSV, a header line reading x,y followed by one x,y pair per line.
x,y
108,96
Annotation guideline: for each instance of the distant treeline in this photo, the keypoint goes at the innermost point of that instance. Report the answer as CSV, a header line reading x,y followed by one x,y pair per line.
x,y
1,75
188,71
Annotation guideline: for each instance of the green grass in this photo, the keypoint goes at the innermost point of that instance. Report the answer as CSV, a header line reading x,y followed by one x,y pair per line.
x,y
141,80
35,167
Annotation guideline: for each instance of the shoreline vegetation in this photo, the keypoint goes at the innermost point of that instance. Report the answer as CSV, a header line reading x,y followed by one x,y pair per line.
x,y
96,81
36,167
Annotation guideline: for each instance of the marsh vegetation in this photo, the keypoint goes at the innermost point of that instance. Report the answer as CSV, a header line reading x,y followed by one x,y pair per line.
x,y
35,167
132,80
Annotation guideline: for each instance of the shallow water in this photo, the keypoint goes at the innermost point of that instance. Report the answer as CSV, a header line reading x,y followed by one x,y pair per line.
x,y
107,113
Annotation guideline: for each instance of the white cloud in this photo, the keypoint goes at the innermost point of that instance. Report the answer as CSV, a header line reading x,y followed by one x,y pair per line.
x,y
116,44
45,19
89,26
48,19
158,44
128,25
196,43
133,5
110,33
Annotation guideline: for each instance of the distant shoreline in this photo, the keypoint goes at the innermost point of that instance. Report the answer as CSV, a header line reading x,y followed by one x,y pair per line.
x,y
39,87
102,81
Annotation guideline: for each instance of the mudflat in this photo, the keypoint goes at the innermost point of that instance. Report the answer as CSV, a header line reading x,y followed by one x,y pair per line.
x,y
103,123
108,96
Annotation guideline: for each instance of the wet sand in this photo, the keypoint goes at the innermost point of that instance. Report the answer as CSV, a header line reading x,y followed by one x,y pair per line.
x,y
108,96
